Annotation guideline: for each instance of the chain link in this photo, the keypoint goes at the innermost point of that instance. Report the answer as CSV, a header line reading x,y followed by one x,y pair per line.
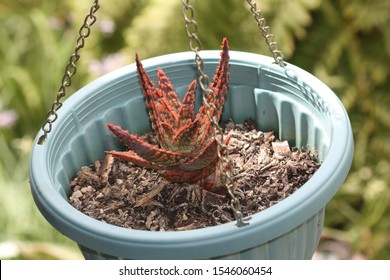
x,y
266,32
191,29
70,71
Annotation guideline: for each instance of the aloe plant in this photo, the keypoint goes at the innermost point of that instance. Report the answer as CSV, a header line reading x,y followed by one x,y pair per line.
x,y
187,150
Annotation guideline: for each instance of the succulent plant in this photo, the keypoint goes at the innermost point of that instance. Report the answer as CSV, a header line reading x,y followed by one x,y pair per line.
x,y
187,150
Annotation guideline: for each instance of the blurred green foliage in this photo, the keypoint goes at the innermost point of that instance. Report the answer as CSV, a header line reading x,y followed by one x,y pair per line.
x,y
344,43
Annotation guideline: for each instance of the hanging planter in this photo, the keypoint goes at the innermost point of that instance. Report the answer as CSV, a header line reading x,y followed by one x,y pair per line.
x,y
287,100
290,101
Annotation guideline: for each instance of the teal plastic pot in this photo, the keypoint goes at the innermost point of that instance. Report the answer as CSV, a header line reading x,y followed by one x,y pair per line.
x,y
290,101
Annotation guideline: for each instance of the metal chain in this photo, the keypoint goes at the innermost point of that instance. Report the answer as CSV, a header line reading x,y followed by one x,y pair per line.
x,y
70,71
266,32
191,28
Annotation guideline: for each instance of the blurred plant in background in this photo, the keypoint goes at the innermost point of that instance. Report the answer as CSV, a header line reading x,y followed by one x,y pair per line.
x,y
348,47
344,43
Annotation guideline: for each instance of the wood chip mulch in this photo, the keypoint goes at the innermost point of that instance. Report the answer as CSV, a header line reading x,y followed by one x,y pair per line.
x,y
120,193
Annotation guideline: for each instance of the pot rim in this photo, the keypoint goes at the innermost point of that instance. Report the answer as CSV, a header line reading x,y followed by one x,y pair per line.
x,y
264,226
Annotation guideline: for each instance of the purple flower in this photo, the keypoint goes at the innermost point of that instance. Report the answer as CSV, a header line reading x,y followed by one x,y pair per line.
x,y
8,118
107,64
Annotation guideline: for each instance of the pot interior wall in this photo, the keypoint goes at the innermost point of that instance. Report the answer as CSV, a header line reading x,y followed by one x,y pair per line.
x,y
277,99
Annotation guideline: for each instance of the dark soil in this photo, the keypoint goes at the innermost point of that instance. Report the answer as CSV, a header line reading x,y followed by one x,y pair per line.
x,y
122,194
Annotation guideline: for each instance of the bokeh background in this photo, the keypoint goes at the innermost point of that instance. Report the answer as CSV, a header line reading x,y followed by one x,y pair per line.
x,y
345,43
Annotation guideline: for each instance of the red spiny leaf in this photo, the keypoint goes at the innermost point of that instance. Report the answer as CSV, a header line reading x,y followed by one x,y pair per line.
x,y
159,108
192,176
186,113
168,92
187,137
205,157
166,136
163,119
149,92
166,103
144,78
134,158
206,130
221,78
223,66
147,151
